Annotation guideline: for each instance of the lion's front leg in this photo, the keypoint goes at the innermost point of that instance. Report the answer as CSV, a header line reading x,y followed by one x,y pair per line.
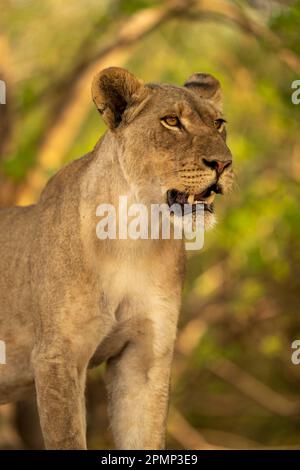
x,y
138,386
60,384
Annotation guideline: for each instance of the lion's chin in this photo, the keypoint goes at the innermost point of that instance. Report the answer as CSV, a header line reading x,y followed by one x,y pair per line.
x,y
210,221
207,222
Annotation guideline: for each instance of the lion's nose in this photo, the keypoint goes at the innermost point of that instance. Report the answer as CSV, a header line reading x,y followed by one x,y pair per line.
x,y
218,165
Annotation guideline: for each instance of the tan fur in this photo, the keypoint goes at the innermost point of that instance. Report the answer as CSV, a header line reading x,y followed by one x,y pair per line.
x,y
68,300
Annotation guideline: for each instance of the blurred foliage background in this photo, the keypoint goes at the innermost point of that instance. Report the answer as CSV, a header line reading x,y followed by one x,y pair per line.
x,y
234,385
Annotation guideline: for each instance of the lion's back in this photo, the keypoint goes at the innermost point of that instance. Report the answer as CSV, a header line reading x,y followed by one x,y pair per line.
x,y
16,231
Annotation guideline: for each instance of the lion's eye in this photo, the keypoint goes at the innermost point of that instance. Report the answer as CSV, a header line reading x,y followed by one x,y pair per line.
x,y
170,121
219,124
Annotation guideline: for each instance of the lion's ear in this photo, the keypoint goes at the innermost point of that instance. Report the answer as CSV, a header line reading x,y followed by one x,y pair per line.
x,y
207,87
113,90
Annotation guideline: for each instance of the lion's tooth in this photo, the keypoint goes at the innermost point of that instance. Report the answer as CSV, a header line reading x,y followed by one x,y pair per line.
x,y
191,198
211,198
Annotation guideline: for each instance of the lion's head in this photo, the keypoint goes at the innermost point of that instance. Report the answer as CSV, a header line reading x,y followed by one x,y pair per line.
x,y
171,139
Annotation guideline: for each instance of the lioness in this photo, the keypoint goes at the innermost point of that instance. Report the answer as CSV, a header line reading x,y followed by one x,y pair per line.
x,y
69,300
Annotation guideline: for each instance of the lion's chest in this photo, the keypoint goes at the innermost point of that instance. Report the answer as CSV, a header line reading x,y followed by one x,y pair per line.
x,y
127,289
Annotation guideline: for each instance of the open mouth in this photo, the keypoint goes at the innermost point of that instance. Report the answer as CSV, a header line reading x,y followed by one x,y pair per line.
x,y
206,198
